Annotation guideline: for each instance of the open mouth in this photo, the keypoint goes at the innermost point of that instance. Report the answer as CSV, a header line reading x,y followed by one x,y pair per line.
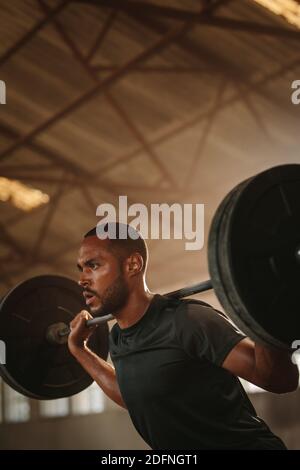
x,y
89,298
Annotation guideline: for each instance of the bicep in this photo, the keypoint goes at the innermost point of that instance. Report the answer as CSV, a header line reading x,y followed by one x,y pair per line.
x,y
241,360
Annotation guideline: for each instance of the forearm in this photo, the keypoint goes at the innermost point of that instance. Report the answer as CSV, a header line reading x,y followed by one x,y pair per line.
x,y
101,371
275,370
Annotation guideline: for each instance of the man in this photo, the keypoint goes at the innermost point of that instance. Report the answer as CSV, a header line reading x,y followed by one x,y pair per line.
x,y
176,362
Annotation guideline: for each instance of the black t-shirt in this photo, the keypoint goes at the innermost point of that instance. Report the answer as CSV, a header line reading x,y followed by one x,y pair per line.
x,y
168,367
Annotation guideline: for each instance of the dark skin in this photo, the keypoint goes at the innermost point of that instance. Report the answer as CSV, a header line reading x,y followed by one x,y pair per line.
x,y
105,279
99,269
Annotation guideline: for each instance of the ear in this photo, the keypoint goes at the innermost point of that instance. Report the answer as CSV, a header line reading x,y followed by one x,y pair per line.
x,y
134,264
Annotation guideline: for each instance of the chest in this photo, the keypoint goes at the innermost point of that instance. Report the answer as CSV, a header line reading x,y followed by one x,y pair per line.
x,y
151,374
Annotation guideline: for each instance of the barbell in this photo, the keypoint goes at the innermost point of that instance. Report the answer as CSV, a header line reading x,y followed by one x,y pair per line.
x,y
254,264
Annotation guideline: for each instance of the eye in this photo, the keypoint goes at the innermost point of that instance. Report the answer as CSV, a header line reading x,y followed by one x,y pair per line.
x,y
94,266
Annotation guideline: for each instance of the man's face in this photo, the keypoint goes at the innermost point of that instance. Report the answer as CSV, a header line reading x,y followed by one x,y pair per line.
x,y
101,277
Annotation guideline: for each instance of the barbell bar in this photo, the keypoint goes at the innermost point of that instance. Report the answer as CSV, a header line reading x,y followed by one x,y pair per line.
x,y
56,332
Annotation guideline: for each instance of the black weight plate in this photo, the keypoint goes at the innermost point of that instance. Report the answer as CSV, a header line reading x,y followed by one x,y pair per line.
x,y
35,367
220,271
253,241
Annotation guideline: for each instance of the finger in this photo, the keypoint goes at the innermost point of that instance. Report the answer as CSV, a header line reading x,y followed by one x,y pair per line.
x,y
79,317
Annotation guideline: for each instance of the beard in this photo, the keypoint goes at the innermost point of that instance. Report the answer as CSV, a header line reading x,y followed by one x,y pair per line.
x,y
114,298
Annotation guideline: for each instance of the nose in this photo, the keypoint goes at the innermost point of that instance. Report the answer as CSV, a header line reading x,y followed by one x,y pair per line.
x,y
83,280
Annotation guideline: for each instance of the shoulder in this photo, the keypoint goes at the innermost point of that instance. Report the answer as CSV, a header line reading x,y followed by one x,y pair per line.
x,y
196,311
197,318
203,331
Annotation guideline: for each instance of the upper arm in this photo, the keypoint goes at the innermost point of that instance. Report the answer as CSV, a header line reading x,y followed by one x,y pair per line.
x,y
263,366
241,360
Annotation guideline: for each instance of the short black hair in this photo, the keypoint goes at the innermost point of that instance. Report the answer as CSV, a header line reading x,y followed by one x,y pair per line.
x,y
123,247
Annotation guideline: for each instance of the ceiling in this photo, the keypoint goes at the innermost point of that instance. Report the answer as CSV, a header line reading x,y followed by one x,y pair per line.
x,y
162,101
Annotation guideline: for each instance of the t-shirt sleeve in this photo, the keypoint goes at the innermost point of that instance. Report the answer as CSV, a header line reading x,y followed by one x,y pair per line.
x,y
203,332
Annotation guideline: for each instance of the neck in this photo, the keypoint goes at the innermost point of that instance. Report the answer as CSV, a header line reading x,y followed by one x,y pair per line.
x,y
135,308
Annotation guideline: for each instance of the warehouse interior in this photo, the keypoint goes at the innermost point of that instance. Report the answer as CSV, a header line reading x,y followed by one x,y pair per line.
x,y
161,101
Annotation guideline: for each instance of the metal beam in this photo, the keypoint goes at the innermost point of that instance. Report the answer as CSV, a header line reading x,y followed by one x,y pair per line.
x,y
145,9
51,155
40,178
98,88
223,67
142,140
88,198
120,111
207,8
24,255
11,242
101,36
158,69
246,99
214,111
150,9
83,184
27,168
200,116
30,34
251,27
54,157
173,34
50,212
